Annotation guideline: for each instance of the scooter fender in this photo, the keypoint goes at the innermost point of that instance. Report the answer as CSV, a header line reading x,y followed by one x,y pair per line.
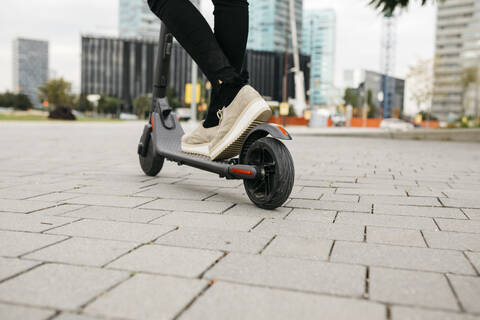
x,y
261,131
265,129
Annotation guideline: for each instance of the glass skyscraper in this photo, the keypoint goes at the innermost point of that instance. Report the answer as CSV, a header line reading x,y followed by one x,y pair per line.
x,y
319,33
270,25
457,48
30,67
136,20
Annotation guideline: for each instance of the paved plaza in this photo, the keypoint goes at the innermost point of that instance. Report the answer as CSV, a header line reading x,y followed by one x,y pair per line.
x,y
375,229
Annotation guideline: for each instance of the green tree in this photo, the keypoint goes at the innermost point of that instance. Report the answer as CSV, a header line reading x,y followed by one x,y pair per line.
x,y
388,6
468,78
372,108
173,100
57,92
82,104
109,105
142,105
23,102
351,97
8,100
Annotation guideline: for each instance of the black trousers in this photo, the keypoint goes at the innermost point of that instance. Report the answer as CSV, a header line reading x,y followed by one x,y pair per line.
x,y
219,54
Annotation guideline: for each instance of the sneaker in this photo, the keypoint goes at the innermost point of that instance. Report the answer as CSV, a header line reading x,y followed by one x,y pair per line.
x,y
247,110
197,142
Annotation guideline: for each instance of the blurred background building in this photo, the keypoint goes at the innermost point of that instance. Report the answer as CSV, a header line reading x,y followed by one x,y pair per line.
x,y
457,48
30,67
269,26
319,38
368,87
123,68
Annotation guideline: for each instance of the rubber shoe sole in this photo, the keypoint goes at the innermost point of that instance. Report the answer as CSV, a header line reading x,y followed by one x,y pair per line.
x,y
201,149
256,113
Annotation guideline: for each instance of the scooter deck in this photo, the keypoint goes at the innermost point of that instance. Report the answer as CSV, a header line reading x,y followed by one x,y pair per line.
x,y
167,142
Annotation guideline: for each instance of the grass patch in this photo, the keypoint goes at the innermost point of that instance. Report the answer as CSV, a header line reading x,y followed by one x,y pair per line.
x,y
34,117
30,117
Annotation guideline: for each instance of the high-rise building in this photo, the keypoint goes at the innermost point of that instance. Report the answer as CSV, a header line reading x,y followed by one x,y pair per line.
x,y
30,67
269,26
136,20
124,68
371,85
457,47
319,30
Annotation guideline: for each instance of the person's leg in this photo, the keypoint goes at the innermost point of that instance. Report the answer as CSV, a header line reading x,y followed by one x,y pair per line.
x,y
231,32
192,31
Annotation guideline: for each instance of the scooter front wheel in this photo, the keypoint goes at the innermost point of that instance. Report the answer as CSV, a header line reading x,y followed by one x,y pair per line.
x,y
151,164
275,184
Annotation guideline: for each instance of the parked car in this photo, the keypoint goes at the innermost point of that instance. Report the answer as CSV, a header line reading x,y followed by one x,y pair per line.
x,y
184,114
338,120
396,125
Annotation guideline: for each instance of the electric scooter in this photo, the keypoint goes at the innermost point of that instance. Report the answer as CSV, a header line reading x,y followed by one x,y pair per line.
x,y
264,163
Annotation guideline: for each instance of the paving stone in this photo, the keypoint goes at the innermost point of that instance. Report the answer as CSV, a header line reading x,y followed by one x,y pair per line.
x,y
165,260
475,259
55,197
57,210
22,222
159,297
462,194
340,197
188,205
73,316
452,240
59,286
473,214
116,214
297,247
324,216
113,230
468,291
265,303
18,243
407,313
205,220
309,193
83,251
329,205
399,237
23,206
303,275
422,259
432,212
173,191
388,191
416,288
249,210
201,238
310,229
401,200
379,220
14,312
211,183
472,226
110,201
461,203
11,267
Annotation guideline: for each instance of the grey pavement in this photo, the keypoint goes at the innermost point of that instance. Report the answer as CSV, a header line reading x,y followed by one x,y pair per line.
x,y
374,229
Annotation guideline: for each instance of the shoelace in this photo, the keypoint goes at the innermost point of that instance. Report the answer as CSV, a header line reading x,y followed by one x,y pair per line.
x,y
220,115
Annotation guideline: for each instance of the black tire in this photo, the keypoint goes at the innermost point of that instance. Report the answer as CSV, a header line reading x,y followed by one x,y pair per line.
x,y
151,164
274,188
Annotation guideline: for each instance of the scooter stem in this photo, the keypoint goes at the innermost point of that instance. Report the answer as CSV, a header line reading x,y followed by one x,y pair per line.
x,y
162,68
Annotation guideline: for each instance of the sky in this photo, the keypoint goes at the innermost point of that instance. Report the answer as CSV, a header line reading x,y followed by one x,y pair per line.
x,y
62,22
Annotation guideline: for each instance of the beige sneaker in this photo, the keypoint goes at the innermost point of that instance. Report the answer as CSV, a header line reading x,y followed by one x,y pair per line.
x,y
246,111
197,142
